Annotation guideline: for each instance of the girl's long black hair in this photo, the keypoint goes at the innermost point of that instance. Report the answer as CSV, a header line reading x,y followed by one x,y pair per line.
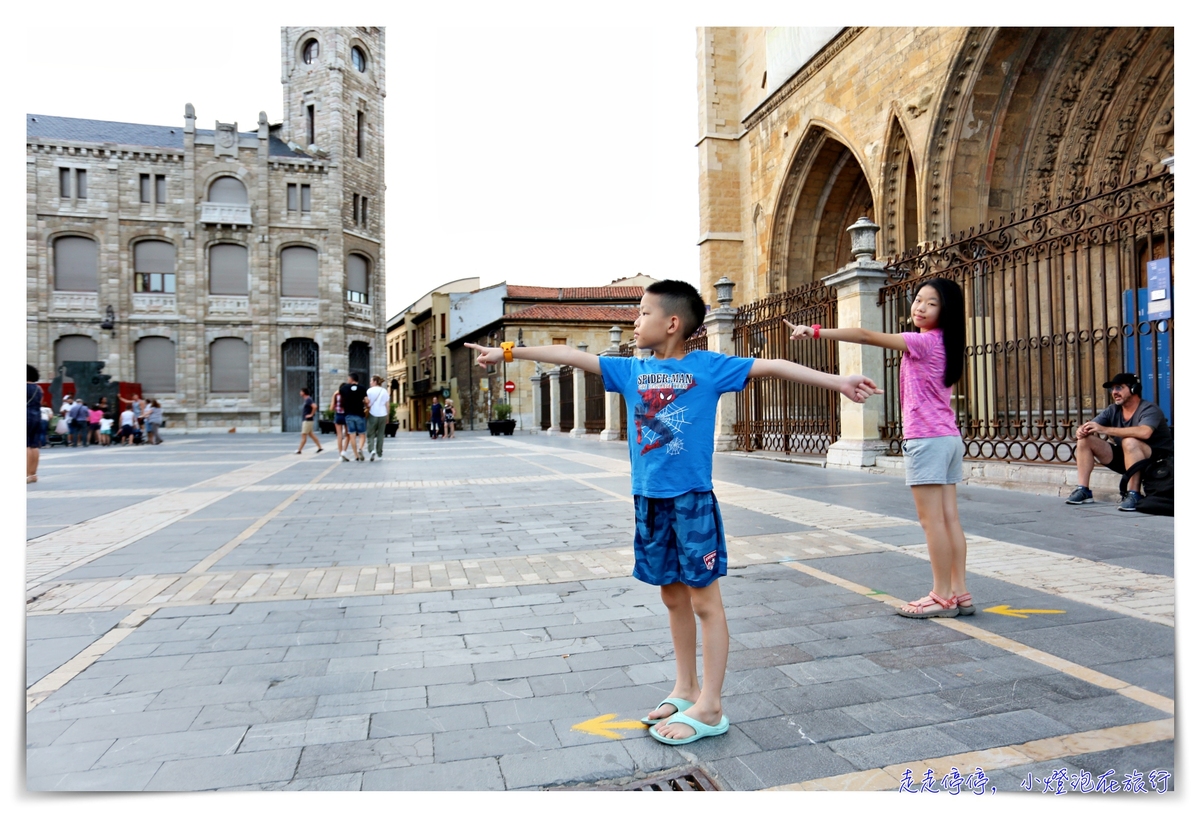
x,y
952,320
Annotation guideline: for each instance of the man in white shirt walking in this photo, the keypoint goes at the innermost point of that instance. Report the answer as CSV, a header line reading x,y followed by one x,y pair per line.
x,y
377,415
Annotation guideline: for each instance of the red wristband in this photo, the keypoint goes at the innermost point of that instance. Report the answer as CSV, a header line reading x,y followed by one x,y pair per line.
x,y
816,327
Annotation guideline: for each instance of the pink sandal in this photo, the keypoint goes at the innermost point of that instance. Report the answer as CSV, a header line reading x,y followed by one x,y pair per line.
x,y
965,603
931,606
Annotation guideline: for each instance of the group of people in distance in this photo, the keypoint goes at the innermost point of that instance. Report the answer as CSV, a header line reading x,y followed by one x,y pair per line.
x,y
441,419
679,542
360,416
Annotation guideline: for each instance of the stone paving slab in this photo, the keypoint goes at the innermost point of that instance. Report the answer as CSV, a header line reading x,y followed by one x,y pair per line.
x,y
487,661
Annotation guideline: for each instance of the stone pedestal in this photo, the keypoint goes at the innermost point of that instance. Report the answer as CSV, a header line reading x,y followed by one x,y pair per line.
x,y
719,323
858,284
555,376
536,380
579,389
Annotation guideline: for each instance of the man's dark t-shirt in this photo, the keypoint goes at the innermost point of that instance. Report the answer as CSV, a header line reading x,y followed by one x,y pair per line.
x,y
1147,414
307,411
435,412
352,398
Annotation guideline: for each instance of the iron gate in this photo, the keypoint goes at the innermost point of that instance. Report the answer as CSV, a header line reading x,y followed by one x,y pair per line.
x,y
544,396
566,399
1056,304
778,415
300,361
593,387
360,362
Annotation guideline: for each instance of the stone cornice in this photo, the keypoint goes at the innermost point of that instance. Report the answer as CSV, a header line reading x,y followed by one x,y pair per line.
x,y
106,150
819,60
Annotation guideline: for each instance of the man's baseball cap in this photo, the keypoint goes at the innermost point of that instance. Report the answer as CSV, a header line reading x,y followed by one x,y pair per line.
x,y
1123,379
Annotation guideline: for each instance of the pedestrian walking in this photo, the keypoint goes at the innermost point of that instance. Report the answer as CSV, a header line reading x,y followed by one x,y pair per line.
x,y
377,415
339,420
930,364
153,418
356,424
77,417
435,419
308,411
448,418
679,540
33,423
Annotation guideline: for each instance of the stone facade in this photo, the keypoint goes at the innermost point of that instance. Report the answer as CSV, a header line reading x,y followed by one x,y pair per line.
x,y
312,182
928,131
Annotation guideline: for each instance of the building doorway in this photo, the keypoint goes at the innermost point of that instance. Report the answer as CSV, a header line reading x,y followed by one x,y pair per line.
x,y
299,372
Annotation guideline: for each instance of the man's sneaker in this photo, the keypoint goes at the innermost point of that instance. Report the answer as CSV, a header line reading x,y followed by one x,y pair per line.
x,y
344,457
372,456
1130,501
1080,496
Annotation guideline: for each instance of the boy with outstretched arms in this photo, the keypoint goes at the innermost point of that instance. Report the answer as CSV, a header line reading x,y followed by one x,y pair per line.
x,y
679,541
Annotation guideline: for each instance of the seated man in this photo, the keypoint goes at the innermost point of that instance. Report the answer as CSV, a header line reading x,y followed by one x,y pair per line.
x,y
1134,428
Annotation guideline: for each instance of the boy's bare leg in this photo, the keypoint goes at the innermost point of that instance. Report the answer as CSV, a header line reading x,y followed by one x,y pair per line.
x,y
706,602
678,600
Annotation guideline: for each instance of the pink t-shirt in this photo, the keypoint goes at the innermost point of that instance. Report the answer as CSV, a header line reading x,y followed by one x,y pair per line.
x,y
95,415
924,401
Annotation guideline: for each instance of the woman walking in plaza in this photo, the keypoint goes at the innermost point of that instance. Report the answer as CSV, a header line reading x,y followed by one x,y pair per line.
x,y
930,364
339,421
448,419
33,423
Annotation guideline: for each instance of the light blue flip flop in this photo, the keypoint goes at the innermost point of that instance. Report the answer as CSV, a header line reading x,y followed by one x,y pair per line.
x,y
703,730
679,703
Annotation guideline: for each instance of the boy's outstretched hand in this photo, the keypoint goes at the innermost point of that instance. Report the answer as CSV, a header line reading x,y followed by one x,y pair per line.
x,y
488,355
857,387
800,331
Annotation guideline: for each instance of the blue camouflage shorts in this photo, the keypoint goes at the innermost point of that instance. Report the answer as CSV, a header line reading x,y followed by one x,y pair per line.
x,y
680,539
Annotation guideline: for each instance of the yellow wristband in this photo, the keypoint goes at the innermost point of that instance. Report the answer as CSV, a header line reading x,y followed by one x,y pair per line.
x,y
507,346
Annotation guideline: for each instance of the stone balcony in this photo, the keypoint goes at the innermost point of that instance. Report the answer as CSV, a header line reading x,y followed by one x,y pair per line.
x,y
304,308
235,214
154,303
229,306
75,304
363,313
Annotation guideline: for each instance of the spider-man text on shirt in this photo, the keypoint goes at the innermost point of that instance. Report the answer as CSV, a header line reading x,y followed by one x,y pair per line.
x,y
658,420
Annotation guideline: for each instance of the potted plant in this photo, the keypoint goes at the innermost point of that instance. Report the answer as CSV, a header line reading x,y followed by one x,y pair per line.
x,y
393,425
503,424
326,422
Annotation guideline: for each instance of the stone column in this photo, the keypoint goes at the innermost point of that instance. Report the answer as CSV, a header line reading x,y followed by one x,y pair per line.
x,y
555,401
612,400
858,284
536,380
579,388
719,323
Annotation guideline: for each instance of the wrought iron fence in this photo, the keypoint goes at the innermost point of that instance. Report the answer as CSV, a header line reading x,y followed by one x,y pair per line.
x,y
1056,304
626,349
698,340
777,415
593,387
544,397
566,399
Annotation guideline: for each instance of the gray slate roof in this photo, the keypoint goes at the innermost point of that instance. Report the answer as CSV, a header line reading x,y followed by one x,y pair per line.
x,y
38,126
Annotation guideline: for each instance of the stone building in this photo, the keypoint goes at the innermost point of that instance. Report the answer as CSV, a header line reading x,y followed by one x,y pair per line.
x,y
221,269
928,131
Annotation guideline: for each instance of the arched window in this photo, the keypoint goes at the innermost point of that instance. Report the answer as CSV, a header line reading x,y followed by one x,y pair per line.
x,y
76,264
227,190
154,266
73,347
298,267
357,278
228,269
154,359
358,58
310,52
229,366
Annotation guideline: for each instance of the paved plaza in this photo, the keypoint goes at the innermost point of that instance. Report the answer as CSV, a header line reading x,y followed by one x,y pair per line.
x,y
219,613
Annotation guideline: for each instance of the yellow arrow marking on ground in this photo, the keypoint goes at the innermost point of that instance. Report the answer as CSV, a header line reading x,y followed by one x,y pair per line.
x,y
1005,610
605,726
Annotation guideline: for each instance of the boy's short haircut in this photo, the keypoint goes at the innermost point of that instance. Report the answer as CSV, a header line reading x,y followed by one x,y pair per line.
x,y
681,299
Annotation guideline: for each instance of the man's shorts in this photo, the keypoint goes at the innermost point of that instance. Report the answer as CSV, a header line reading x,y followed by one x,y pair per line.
x,y
339,419
356,424
681,539
306,426
933,460
1117,463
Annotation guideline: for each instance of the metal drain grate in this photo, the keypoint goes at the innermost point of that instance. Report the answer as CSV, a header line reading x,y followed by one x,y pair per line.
x,y
689,779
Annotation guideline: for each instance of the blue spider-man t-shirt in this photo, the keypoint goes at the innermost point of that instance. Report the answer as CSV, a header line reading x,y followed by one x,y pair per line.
x,y
672,410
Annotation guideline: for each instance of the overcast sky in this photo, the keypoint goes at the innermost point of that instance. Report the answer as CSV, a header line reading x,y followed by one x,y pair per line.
x,y
553,153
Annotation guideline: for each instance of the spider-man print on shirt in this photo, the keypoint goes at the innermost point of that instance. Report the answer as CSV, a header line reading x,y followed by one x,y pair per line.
x,y
659,421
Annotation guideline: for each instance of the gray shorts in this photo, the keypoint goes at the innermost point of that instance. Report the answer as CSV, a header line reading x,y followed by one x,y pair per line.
x,y
933,460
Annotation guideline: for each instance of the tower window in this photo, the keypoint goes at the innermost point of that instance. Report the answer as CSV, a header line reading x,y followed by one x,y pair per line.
x,y
359,59
312,49
65,175
361,133
299,197
310,124
153,188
